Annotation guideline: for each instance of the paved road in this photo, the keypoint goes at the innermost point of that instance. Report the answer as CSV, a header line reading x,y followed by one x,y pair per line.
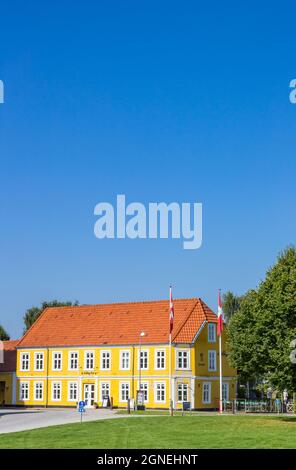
x,y
13,420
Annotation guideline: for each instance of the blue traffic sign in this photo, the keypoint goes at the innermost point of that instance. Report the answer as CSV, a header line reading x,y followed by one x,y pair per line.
x,y
81,410
81,404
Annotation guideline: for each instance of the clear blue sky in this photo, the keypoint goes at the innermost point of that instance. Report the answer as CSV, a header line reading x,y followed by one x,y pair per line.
x,y
161,101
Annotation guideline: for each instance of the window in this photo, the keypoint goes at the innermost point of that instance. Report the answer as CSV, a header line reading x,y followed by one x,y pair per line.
x,y
143,360
56,361
159,392
183,359
38,391
211,332
39,361
124,391
206,393
56,391
182,392
25,361
72,391
160,359
144,388
212,361
105,360
105,390
24,391
88,360
124,360
225,391
73,360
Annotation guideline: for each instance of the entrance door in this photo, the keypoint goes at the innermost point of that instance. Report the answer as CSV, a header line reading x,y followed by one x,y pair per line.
x,y
89,394
2,393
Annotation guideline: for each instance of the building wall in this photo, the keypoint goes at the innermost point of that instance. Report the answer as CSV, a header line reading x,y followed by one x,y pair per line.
x,y
193,376
6,388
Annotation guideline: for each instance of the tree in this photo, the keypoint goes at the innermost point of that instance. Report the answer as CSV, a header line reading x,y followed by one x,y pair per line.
x,y
33,313
231,304
4,336
261,330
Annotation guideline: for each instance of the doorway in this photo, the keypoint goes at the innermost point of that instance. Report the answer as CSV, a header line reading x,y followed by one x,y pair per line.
x,y
2,393
89,394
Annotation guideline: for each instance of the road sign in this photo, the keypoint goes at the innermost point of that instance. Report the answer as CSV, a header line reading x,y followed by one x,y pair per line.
x,y
81,404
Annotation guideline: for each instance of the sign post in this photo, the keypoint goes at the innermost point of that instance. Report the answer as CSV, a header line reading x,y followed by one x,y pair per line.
x,y
81,409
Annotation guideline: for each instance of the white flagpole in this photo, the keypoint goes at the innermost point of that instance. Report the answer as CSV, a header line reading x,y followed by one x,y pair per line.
x,y
171,361
220,372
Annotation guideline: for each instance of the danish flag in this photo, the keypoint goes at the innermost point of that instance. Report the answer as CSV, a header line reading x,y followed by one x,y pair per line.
x,y
172,313
220,315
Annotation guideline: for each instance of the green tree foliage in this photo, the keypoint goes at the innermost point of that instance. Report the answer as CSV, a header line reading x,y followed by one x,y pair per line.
x,y
261,330
33,313
4,336
231,304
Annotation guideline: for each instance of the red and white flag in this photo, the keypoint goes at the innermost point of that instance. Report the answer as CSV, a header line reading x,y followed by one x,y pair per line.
x,y
220,315
172,313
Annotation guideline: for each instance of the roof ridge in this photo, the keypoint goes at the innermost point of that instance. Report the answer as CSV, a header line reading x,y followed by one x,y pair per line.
x,y
187,318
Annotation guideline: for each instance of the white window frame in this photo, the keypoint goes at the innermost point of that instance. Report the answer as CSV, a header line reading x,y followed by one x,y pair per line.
x,y
42,389
35,361
104,382
162,351
214,352
53,359
120,391
122,352
73,382
212,336
105,351
155,392
144,382
209,401
22,354
143,351
27,384
183,385
59,383
86,359
226,385
182,351
70,359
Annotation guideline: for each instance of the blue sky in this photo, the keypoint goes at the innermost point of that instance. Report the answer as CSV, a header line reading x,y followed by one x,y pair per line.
x,y
161,101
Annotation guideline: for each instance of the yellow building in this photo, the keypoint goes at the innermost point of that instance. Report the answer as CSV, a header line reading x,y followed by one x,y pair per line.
x,y
8,373
112,350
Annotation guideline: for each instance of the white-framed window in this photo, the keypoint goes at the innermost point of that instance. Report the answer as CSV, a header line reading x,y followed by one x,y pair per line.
x,y
39,361
56,391
89,360
38,391
182,392
212,361
160,359
72,391
211,332
144,387
104,390
124,360
183,359
143,359
159,392
56,360
206,393
225,391
24,391
105,360
25,361
73,360
124,391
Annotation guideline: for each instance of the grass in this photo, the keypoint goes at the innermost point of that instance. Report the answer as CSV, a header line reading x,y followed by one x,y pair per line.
x,y
163,432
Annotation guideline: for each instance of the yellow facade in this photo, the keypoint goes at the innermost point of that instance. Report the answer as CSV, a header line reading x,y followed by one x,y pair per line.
x,y
63,376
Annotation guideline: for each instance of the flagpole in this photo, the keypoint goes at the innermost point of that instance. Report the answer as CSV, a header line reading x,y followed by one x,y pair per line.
x,y
220,373
171,405
170,352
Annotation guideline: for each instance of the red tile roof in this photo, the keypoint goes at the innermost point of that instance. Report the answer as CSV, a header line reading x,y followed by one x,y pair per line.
x,y
9,364
117,324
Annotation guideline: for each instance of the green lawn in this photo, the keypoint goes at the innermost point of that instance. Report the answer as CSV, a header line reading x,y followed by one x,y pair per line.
x,y
163,432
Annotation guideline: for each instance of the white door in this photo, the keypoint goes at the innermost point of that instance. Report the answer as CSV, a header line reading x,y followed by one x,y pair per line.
x,y
89,394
